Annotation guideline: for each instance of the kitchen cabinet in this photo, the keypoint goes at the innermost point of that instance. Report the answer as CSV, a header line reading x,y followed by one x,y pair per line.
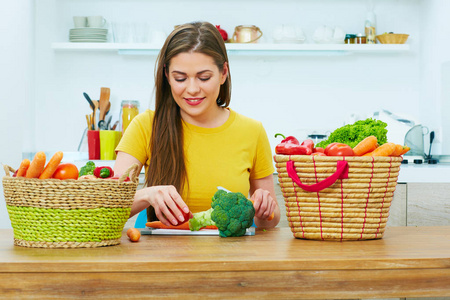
x,y
428,204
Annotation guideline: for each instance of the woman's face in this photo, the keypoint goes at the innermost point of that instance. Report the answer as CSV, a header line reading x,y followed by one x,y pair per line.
x,y
195,82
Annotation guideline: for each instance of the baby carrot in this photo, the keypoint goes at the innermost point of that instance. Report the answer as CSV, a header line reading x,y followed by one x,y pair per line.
x,y
366,145
184,226
133,234
383,150
24,165
36,165
398,150
52,164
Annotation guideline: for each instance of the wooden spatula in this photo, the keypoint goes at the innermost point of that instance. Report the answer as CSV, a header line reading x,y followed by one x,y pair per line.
x,y
94,113
104,102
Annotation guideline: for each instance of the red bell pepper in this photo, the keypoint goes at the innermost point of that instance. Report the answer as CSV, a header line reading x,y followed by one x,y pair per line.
x,y
309,144
291,146
103,172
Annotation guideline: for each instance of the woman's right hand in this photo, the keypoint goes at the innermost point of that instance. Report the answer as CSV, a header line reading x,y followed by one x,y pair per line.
x,y
168,204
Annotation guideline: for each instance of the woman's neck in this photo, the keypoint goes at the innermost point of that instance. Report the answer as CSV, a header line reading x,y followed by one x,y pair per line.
x,y
211,120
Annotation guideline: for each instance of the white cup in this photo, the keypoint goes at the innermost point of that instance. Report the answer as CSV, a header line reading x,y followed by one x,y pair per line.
x,y
96,21
79,22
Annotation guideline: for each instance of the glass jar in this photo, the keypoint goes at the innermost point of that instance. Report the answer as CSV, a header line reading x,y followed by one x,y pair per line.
x,y
350,38
360,39
129,110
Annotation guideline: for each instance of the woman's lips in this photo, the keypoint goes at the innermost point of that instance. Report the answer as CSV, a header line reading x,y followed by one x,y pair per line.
x,y
194,101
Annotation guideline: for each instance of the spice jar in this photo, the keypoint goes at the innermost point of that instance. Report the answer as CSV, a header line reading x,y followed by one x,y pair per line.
x,y
350,38
129,110
360,39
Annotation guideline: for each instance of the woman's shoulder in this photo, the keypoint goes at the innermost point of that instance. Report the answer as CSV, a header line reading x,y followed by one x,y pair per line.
x,y
245,120
145,116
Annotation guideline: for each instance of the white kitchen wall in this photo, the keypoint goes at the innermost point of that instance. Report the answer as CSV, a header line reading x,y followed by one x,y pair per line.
x,y
16,81
435,49
293,94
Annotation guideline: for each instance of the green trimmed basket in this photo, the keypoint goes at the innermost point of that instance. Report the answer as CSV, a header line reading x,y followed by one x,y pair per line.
x,y
53,213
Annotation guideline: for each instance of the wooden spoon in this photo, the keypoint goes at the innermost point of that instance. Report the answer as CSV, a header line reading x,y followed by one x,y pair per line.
x,y
104,100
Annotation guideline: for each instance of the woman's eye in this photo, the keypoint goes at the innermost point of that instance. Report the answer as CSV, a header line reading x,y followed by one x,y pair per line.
x,y
180,79
205,79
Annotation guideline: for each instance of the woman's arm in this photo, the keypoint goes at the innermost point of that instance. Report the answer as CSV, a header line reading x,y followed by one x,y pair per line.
x,y
265,202
160,197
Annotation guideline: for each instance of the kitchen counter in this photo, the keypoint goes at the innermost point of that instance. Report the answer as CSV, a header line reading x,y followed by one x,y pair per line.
x,y
424,173
407,262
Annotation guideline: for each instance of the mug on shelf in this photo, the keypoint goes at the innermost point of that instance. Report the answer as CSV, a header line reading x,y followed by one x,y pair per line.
x,y
96,21
79,22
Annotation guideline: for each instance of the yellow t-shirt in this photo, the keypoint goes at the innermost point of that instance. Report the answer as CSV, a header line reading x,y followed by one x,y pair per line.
x,y
229,155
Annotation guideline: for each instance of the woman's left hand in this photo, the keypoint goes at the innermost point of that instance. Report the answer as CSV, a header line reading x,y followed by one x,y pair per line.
x,y
264,204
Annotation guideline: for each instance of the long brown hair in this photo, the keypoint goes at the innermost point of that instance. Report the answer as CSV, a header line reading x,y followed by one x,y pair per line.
x,y
167,165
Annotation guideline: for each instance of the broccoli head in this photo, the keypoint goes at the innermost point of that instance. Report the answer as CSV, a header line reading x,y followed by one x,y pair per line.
x,y
87,169
232,213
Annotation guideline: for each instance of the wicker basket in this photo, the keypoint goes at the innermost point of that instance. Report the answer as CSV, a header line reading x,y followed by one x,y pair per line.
x,y
392,38
337,198
53,213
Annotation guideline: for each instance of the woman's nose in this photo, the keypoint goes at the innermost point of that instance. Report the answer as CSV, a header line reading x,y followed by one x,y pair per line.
x,y
193,87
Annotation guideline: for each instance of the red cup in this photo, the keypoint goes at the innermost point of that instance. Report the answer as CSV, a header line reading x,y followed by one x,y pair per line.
x,y
94,144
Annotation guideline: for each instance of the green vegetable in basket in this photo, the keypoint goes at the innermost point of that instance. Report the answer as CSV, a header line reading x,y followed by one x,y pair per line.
x,y
352,134
87,169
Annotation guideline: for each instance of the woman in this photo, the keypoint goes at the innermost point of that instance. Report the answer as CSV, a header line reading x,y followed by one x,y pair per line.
x,y
193,142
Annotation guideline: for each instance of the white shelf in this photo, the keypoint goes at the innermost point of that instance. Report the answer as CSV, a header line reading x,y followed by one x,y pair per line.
x,y
241,49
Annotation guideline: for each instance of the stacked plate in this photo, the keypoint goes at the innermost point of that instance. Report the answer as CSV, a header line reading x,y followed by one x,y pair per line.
x,y
88,34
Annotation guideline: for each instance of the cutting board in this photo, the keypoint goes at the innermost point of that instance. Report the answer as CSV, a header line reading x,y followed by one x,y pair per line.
x,y
206,232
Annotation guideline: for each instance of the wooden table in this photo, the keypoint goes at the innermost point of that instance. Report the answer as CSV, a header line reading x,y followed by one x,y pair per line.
x,y
407,262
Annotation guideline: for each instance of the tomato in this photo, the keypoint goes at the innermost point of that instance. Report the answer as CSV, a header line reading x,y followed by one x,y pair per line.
x,y
339,149
186,216
66,171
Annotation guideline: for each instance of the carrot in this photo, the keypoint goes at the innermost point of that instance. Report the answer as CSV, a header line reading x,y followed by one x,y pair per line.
x,y
52,165
405,149
184,226
133,234
383,150
398,150
36,165
270,218
24,165
366,145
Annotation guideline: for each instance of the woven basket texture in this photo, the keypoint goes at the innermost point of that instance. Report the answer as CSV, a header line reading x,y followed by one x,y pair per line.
x,y
53,213
355,208
393,38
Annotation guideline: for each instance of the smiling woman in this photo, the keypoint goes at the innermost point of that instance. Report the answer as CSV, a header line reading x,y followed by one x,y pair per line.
x,y
195,82
193,142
